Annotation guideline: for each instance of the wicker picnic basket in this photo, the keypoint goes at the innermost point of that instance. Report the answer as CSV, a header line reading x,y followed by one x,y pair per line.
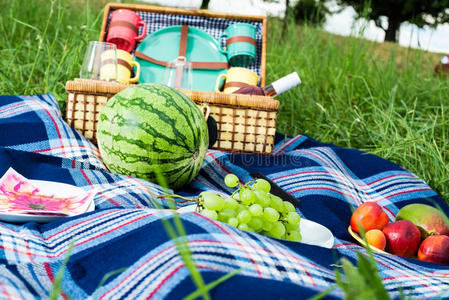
x,y
245,123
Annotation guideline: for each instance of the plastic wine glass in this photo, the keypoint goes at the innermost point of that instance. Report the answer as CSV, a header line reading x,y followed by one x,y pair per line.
x,y
100,62
178,74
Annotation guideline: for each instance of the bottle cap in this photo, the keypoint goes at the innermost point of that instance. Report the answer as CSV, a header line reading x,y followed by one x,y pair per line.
x,y
445,60
285,83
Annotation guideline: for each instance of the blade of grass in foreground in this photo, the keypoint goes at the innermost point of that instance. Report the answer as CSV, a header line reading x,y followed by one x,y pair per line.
x,y
178,236
105,278
211,285
56,290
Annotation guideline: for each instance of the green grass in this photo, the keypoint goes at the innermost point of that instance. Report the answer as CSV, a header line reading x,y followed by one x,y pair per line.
x,y
42,43
379,98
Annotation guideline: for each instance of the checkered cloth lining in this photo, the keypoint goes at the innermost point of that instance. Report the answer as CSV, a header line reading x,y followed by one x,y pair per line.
x,y
125,231
213,26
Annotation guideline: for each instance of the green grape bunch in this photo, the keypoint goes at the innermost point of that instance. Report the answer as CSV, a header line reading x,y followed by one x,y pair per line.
x,y
251,207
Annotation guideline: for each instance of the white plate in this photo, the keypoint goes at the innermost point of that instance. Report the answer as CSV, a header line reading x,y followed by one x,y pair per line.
x,y
312,233
316,234
50,187
188,208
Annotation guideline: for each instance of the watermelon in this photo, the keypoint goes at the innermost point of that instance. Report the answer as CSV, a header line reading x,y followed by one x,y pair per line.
x,y
151,128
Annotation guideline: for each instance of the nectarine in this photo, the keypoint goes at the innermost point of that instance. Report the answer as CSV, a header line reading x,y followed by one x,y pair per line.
x,y
376,238
370,216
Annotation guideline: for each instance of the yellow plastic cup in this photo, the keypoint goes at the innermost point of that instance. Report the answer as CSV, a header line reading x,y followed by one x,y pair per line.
x,y
124,66
234,79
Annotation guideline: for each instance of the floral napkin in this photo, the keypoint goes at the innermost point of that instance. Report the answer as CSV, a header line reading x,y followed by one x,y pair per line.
x,y
21,195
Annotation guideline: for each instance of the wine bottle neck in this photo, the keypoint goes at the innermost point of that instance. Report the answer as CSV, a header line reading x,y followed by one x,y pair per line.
x,y
282,85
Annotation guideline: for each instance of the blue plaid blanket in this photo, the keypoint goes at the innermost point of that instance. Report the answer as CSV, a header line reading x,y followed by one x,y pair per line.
x,y
125,230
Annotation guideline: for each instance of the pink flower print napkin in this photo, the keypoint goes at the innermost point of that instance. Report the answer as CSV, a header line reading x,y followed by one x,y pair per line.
x,y
19,194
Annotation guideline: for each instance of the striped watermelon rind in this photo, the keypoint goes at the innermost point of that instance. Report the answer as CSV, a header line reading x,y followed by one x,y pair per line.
x,y
152,128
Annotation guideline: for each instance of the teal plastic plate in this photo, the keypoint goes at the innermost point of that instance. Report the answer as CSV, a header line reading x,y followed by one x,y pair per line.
x,y
164,45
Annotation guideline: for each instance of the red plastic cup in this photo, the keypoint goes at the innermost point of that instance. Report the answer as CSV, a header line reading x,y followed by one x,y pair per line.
x,y
124,29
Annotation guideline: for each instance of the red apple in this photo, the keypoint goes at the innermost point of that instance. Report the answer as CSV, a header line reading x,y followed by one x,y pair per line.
x,y
370,216
435,248
403,238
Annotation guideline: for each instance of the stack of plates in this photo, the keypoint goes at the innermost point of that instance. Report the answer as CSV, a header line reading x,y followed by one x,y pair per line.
x,y
63,191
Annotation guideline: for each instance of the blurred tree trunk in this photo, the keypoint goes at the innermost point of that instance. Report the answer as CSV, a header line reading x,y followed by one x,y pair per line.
x,y
204,4
391,33
286,16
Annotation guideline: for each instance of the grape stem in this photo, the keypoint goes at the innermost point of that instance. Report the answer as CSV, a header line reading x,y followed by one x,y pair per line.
x,y
235,192
242,186
177,196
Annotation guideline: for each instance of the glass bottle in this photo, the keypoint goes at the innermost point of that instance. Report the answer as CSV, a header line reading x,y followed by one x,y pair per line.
x,y
273,89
